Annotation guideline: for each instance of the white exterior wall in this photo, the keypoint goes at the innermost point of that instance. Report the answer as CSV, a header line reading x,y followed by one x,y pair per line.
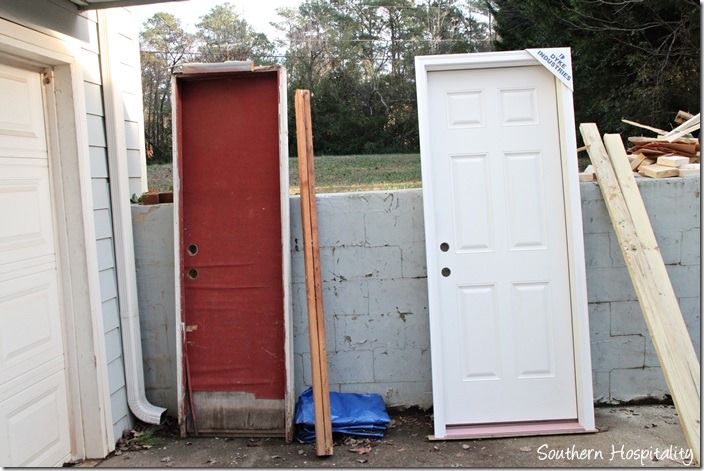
x,y
61,19
375,292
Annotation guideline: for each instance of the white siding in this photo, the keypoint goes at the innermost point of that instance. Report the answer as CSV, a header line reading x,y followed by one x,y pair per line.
x,y
60,18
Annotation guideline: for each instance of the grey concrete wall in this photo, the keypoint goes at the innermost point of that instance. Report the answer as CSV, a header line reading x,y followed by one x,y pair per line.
x,y
375,291
153,229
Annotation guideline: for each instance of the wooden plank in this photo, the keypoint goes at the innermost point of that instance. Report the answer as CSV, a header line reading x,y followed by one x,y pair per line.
x,y
314,286
649,128
672,160
658,171
656,296
690,170
637,161
682,116
682,128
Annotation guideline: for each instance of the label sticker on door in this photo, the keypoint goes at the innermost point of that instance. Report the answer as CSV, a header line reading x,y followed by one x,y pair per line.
x,y
557,60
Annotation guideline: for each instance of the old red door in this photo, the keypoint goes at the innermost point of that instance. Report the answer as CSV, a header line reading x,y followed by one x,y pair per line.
x,y
231,270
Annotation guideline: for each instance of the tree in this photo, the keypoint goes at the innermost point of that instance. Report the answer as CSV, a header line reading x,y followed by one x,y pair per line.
x,y
163,46
636,59
223,35
357,58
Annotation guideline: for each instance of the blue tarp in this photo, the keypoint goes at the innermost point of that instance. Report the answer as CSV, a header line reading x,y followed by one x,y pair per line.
x,y
352,414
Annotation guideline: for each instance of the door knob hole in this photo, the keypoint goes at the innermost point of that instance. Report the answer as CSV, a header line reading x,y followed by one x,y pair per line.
x,y
192,249
445,272
192,273
444,246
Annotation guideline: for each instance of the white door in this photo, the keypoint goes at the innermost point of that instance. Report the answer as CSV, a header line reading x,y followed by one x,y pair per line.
x,y
34,425
502,273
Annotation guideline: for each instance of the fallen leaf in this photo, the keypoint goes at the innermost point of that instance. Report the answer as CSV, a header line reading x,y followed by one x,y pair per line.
x,y
361,450
525,448
300,452
361,460
118,452
465,447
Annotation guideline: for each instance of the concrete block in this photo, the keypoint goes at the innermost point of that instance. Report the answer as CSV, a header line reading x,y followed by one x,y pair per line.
x,y
595,217
345,367
600,385
686,280
385,228
298,268
366,332
410,364
399,395
627,319
343,228
691,247
402,296
299,321
599,321
596,250
609,284
626,351
413,263
590,191
672,204
373,262
299,383
346,297
637,384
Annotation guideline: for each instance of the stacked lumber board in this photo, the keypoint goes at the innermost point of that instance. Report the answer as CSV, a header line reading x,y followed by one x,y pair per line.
x,y
672,153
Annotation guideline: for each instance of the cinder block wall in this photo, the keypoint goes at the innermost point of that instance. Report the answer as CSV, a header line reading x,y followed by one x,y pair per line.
x,y
375,292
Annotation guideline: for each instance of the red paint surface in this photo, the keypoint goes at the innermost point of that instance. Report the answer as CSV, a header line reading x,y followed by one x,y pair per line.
x,y
231,209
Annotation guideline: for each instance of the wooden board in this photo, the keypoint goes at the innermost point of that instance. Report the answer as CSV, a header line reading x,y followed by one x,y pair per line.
x,y
314,286
658,171
637,161
672,160
657,299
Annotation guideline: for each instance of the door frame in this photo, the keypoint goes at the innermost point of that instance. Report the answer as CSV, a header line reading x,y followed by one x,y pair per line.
x,y
242,66
90,416
573,214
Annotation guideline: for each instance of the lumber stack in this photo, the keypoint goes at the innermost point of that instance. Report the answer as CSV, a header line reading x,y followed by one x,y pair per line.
x,y
672,153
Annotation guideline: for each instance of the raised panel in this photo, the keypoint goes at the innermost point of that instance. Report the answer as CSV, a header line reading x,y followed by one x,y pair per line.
x,y
533,330
21,118
527,222
465,109
31,330
26,230
35,424
479,333
519,107
471,203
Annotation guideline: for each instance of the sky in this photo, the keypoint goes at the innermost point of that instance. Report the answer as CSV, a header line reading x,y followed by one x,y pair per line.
x,y
258,13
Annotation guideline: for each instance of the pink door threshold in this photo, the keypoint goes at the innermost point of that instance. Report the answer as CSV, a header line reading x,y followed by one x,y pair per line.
x,y
512,429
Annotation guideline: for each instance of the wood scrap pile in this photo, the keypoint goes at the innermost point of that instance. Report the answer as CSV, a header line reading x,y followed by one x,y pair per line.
x,y
670,154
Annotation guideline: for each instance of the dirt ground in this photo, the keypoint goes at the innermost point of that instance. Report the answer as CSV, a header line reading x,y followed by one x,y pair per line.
x,y
630,436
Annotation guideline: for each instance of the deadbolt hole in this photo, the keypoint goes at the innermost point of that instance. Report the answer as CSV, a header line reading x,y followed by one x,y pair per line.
x,y
192,273
444,246
192,249
445,272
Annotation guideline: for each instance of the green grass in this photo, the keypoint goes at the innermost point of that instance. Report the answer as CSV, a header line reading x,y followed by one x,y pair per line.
x,y
341,173
334,174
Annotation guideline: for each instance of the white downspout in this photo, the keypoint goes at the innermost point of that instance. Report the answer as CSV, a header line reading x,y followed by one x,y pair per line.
x,y
122,223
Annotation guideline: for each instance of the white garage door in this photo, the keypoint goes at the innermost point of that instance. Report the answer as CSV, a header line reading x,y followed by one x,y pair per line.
x,y
34,425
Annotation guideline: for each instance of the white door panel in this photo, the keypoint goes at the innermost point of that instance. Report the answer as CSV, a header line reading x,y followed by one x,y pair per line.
x,y
502,273
34,422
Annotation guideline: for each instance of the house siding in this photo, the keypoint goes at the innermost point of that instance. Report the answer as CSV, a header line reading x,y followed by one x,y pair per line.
x,y
61,19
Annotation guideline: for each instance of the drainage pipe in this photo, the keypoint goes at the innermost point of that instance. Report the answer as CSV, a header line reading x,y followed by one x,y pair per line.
x,y
113,102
